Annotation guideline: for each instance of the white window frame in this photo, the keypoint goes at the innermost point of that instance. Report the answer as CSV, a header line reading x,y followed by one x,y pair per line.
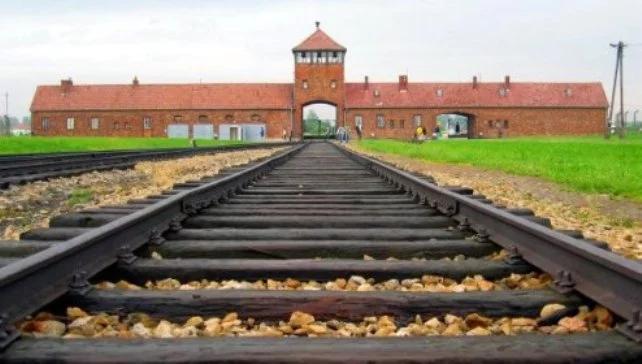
x,y
381,121
358,121
147,123
416,120
71,123
45,123
94,123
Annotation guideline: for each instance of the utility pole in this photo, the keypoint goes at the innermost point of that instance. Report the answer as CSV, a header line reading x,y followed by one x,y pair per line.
x,y
7,123
619,73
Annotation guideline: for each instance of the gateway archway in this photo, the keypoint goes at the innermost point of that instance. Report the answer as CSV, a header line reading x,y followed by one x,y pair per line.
x,y
456,124
319,120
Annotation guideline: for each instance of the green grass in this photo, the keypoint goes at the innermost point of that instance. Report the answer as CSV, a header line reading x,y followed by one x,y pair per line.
x,y
586,164
28,145
80,196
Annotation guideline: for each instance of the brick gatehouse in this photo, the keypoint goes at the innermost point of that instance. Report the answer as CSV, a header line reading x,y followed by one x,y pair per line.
x,y
486,109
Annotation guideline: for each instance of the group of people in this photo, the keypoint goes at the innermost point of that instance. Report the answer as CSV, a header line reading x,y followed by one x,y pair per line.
x,y
421,133
343,133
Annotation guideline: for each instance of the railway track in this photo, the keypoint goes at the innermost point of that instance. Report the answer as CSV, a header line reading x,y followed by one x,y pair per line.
x,y
277,247
22,169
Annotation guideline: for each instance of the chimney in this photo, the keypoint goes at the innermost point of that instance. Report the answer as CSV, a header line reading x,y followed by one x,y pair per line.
x,y
507,81
66,85
135,81
474,82
403,83
366,83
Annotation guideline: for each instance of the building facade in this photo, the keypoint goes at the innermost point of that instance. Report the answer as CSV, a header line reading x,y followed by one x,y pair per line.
x,y
382,110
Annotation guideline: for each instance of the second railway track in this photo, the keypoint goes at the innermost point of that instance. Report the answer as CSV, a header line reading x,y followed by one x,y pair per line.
x,y
312,213
20,169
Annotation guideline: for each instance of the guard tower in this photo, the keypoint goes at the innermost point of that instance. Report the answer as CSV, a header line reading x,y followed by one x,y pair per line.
x,y
318,75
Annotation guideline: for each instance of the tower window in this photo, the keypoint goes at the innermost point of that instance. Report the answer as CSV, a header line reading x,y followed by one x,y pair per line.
x,y
333,84
304,84
440,92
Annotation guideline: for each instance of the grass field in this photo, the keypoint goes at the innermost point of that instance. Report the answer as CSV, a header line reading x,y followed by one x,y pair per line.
x,y
586,164
27,145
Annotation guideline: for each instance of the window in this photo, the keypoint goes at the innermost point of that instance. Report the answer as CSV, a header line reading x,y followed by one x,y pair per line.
x,y
71,123
147,122
45,123
381,122
116,125
358,121
333,84
440,92
490,123
127,126
229,117
202,118
416,119
505,123
94,123
402,123
305,84
391,124
178,118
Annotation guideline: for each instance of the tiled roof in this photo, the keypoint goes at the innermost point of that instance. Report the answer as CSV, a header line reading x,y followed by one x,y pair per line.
x,y
485,95
164,97
319,41
279,96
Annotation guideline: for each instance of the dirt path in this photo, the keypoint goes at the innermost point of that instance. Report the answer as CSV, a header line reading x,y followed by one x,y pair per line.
x,y
617,222
32,205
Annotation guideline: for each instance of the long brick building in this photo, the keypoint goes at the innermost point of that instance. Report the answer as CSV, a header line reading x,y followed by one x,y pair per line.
x,y
271,110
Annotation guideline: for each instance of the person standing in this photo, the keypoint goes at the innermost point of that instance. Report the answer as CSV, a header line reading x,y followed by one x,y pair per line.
x,y
341,134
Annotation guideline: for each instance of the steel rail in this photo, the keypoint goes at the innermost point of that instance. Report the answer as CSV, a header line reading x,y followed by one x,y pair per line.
x,y
605,277
36,280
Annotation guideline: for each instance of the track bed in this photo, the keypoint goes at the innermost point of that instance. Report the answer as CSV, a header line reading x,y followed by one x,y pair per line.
x,y
334,257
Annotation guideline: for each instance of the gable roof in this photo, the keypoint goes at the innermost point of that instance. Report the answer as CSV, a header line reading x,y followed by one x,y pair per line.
x,y
526,94
319,41
164,97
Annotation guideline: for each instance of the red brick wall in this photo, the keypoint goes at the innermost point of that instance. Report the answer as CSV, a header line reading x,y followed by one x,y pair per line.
x,y
275,120
319,78
521,121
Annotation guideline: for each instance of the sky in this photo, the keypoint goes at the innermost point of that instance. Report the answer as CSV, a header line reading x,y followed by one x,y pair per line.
x,y
106,41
